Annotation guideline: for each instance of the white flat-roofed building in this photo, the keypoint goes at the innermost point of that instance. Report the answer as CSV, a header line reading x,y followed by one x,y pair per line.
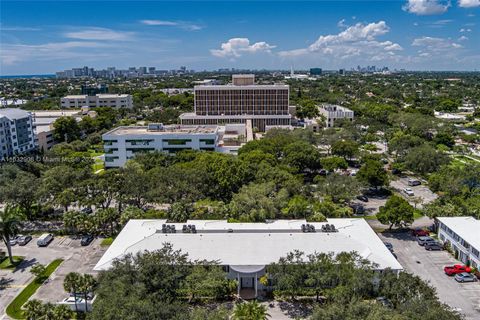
x,y
245,249
122,143
463,235
17,134
333,113
99,100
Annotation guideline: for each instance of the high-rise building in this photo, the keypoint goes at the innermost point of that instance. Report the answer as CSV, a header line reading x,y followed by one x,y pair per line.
x,y
315,71
264,105
16,132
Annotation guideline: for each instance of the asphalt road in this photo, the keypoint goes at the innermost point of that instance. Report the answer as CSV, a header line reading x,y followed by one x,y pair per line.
x,y
76,258
421,192
428,265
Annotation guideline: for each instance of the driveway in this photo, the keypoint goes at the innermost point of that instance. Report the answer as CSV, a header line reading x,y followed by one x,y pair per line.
x,y
428,265
76,258
421,193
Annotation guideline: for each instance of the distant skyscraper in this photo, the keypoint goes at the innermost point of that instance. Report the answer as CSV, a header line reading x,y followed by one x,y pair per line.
x,y
316,71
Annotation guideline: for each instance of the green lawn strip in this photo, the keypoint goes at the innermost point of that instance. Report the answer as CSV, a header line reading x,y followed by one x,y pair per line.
x,y
14,309
5,264
107,241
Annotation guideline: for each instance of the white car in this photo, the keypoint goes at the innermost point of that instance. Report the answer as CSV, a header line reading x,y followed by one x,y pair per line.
x,y
408,192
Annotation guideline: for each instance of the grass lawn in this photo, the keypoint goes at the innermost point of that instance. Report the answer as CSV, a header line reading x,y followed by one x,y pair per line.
x,y
14,309
107,241
5,262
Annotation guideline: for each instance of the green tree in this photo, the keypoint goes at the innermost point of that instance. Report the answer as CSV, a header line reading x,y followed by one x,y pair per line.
x,y
37,270
424,159
66,129
333,163
339,188
87,284
33,309
207,282
373,173
10,219
250,311
345,148
397,211
72,284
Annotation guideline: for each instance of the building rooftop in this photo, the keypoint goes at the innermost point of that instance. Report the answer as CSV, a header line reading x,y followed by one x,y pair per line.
x,y
14,113
144,130
100,95
241,87
250,244
466,227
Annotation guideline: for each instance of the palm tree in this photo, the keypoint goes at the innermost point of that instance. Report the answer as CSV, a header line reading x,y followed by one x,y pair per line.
x,y
87,284
71,284
250,311
34,309
10,219
62,312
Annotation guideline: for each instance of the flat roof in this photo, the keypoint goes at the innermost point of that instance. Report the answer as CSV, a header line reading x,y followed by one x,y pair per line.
x,y
143,130
192,115
468,228
14,113
250,244
241,87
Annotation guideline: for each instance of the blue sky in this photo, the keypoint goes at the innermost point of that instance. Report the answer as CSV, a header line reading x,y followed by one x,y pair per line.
x,y
44,37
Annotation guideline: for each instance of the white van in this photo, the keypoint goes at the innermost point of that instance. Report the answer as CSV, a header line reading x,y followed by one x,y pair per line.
x,y
413,182
44,239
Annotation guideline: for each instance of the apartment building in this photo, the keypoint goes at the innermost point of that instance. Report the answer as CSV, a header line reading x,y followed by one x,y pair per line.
x,y
245,250
123,143
16,132
242,100
332,113
98,100
462,233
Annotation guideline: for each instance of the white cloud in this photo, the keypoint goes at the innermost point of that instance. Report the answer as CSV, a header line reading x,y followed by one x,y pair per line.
x,y
429,46
180,24
99,34
359,40
341,24
468,3
15,53
463,38
235,47
18,28
465,30
426,7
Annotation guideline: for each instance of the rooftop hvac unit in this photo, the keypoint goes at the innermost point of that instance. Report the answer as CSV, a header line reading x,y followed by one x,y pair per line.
x,y
155,127
189,228
308,228
166,228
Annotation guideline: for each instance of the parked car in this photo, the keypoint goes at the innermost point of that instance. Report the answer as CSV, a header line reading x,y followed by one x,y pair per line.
x,y
13,241
362,198
389,246
456,269
86,240
433,246
465,277
87,210
357,208
385,302
396,171
424,240
414,182
44,239
23,240
420,233
408,192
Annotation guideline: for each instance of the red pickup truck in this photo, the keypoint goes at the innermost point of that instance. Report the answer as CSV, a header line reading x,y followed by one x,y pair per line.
x,y
456,269
420,233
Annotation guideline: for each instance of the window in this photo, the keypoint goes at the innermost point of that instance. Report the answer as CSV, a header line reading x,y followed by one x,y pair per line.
x,y
177,142
475,253
109,142
110,159
208,141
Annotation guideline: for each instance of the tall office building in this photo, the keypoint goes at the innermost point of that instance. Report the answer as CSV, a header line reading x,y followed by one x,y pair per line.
x,y
16,132
264,105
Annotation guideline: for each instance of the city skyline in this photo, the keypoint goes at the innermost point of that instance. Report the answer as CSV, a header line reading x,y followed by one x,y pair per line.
x,y
415,34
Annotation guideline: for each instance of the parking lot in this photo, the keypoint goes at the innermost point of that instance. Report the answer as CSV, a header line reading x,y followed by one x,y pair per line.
x,y
76,258
428,265
421,192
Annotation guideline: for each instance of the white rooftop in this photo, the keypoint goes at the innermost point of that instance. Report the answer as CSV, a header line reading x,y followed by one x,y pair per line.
x,y
250,244
468,228
14,113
